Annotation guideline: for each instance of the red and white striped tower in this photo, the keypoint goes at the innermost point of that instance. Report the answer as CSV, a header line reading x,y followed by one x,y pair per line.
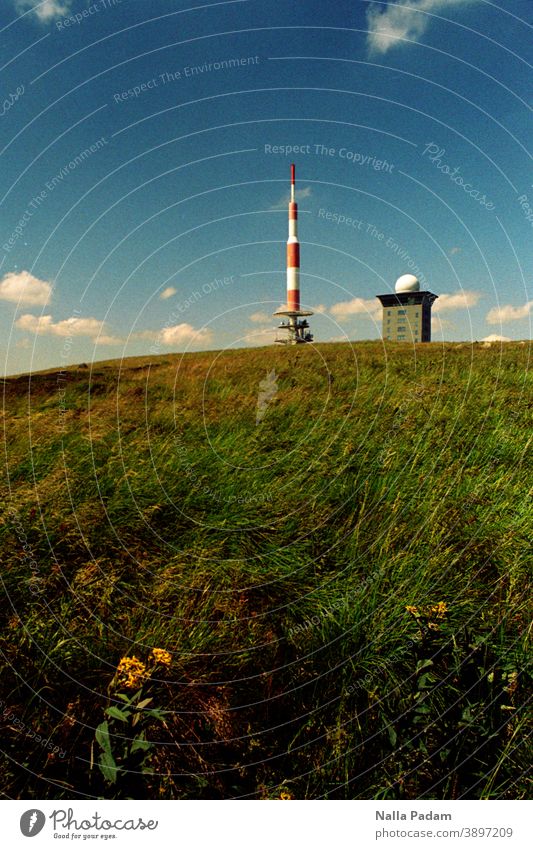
x,y
293,250
296,326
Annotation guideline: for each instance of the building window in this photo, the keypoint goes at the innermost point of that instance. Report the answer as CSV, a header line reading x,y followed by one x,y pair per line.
x,y
401,312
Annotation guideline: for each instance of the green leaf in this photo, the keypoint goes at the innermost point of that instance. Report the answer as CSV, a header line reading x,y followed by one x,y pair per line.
x,y
423,664
139,744
102,737
144,703
116,713
108,767
392,735
155,713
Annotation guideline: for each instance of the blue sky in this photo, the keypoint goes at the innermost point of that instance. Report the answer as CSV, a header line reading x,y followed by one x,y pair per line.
x,y
145,170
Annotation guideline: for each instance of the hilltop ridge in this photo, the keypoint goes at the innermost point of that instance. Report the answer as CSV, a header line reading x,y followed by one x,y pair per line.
x,y
334,560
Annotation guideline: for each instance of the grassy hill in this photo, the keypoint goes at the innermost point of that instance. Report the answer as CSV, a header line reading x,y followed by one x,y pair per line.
x,y
328,545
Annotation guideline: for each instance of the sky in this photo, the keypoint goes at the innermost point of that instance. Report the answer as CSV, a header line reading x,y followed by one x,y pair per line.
x,y
145,156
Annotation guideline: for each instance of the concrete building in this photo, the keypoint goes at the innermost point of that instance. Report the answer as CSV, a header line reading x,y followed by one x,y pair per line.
x,y
407,312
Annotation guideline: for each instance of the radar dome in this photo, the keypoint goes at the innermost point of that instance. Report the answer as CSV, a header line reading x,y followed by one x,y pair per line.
x,y
407,283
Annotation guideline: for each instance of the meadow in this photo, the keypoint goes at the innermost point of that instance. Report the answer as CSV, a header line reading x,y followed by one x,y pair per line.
x,y
315,589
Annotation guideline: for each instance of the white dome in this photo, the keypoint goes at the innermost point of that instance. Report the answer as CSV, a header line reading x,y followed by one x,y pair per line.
x,y
407,283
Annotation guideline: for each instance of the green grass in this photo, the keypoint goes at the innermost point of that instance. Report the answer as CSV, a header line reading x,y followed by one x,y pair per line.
x,y
275,563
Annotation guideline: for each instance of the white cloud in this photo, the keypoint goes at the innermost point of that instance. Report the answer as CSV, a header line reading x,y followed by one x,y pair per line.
x,y
300,194
461,300
357,306
44,325
45,10
263,336
184,333
438,323
22,287
261,318
495,337
389,25
371,308
454,251
499,315
321,309
145,335
167,293
107,340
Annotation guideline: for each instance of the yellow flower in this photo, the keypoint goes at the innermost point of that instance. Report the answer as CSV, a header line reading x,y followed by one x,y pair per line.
x,y
285,795
429,612
512,686
162,656
131,672
440,609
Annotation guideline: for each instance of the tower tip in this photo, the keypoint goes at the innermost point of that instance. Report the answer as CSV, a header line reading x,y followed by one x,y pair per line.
x,y
293,174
